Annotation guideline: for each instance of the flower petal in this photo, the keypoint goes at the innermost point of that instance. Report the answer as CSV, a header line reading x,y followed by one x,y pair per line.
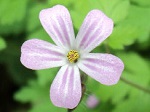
x,y
57,22
66,88
104,68
95,29
38,54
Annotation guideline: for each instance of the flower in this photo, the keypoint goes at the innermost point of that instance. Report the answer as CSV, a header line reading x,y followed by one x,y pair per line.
x,y
72,53
92,101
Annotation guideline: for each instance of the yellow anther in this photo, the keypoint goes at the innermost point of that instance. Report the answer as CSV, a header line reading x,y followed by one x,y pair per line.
x,y
73,56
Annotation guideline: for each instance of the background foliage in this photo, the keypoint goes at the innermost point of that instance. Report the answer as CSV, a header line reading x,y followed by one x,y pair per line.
x,y
130,41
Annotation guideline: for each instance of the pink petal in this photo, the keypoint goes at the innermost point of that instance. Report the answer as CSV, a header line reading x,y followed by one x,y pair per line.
x,y
57,22
95,29
38,54
105,68
66,88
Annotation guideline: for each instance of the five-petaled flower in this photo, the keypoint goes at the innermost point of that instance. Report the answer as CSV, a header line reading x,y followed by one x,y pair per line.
x,y
72,53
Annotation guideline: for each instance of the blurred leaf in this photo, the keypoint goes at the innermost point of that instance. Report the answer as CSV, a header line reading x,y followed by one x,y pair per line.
x,y
77,19
46,76
123,35
67,3
137,104
139,17
30,93
40,34
38,96
105,93
11,58
19,74
136,71
46,106
12,15
2,44
33,22
116,9
120,11
141,2
137,68
82,108
78,15
14,11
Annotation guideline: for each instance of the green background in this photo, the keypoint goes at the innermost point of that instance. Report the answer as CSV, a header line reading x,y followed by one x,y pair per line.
x,y
24,90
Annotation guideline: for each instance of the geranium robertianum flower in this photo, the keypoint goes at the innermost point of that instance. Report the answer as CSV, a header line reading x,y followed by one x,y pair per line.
x,y
72,53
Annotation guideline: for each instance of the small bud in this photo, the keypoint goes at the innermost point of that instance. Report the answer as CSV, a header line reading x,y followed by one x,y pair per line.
x,y
92,101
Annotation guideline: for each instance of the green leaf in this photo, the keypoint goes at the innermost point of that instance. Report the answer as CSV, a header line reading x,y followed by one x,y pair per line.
x,y
139,16
12,15
2,44
120,11
138,104
141,2
123,35
11,58
46,106
31,93
115,9
67,3
33,22
137,68
46,76
14,12
104,93
40,34
38,96
78,15
135,27
18,73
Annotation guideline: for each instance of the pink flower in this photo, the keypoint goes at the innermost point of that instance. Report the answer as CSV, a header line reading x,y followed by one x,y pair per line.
x,y
72,53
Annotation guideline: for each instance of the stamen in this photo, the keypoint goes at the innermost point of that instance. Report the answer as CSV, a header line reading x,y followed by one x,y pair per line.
x,y
73,56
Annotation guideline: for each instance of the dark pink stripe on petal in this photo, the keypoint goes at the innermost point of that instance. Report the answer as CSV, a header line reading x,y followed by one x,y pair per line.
x,y
60,36
86,35
66,88
104,68
92,38
98,32
64,80
99,62
64,30
56,21
38,54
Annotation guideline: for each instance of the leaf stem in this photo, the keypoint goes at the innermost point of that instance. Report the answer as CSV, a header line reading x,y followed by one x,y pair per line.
x,y
135,85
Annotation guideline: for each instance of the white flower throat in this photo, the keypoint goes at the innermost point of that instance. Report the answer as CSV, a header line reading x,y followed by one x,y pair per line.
x,y
73,56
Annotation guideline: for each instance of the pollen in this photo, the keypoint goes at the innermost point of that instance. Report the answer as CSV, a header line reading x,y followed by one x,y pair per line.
x,y
73,56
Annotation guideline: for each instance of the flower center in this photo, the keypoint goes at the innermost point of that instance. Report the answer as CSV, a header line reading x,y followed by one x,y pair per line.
x,y
73,56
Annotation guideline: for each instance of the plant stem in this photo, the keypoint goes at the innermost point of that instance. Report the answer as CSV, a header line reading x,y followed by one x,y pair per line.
x,y
70,110
107,47
135,85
